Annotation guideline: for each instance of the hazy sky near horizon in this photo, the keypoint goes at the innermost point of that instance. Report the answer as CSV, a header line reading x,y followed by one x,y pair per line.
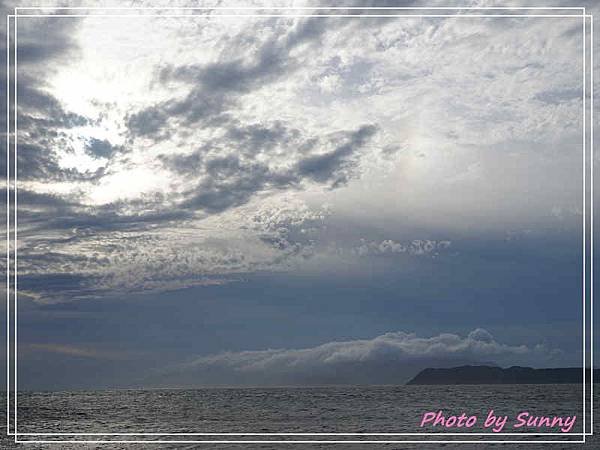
x,y
249,200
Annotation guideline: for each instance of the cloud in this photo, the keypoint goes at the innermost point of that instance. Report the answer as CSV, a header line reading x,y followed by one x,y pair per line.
x,y
258,138
37,163
43,120
335,167
103,253
256,164
100,148
231,182
216,86
58,41
39,110
388,247
115,189
390,358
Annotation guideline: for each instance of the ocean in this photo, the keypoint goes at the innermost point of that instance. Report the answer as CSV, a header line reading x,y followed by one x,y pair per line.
x,y
337,409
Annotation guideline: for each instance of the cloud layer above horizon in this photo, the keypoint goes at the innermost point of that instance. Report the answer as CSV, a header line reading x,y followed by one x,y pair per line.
x,y
391,358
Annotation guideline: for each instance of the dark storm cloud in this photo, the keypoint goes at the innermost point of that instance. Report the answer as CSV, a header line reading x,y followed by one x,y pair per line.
x,y
105,218
45,214
232,180
185,164
44,40
248,140
100,148
34,199
36,161
257,138
334,167
148,122
42,118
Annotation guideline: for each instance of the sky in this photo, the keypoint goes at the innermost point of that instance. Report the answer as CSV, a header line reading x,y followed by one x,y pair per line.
x,y
208,200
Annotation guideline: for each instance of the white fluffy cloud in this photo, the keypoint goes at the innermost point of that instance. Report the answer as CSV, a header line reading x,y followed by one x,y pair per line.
x,y
388,246
390,358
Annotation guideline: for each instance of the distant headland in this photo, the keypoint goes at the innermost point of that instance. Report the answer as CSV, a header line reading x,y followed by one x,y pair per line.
x,y
498,375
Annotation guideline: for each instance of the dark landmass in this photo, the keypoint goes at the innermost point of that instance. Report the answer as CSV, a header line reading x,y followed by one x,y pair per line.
x,y
498,375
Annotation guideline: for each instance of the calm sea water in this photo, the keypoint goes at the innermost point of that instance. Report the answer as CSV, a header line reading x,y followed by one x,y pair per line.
x,y
350,409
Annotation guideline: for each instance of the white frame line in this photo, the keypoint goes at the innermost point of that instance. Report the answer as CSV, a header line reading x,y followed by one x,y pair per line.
x,y
583,15
592,224
8,416
295,8
212,16
15,139
584,215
